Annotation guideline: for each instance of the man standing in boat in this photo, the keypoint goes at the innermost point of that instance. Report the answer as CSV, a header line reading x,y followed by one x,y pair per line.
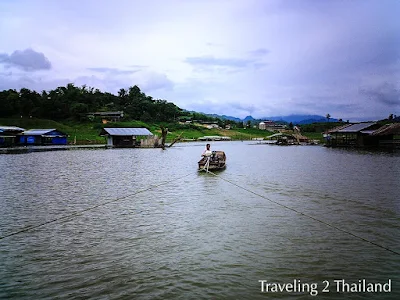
x,y
207,152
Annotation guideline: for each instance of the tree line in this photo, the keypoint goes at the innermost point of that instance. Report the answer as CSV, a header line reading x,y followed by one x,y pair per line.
x,y
71,102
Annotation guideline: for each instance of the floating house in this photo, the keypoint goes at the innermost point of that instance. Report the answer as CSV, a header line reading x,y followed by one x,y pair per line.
x,y
296,138
366,134
125,137
42,137
8,135
388,136
283,139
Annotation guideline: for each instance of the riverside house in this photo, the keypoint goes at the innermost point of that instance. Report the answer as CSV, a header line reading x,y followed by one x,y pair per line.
x,y
365,134
125,137
8,135
42,137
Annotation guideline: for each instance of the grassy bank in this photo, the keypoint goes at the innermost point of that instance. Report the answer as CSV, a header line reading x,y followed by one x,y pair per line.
x,y
88,132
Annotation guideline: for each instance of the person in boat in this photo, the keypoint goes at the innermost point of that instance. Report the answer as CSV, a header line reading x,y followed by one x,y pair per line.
x,y
207,152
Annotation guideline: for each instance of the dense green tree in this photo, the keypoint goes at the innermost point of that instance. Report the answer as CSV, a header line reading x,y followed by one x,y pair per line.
x,y
7,103
239,124
71,102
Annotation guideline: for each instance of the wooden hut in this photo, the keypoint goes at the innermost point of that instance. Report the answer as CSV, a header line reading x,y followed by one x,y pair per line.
x,y
351,135
388,136
367,134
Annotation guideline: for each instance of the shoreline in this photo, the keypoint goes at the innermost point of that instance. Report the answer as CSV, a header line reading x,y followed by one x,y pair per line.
x,y
42,148
39,148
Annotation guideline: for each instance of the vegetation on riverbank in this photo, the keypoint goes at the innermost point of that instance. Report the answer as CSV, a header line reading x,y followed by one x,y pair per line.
x,y
71,103
69,109
88,132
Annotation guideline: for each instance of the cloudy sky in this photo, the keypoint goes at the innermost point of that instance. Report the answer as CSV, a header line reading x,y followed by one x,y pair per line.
x,y
234,57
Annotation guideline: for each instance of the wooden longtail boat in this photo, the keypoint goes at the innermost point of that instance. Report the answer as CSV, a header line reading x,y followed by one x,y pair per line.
x,y
216,161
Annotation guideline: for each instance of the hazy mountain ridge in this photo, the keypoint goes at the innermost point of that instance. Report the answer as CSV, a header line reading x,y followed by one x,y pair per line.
x,y
224,117
295,119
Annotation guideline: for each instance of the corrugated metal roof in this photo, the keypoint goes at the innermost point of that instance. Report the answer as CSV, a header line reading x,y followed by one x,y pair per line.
x,y
11,128
338,128
388,129
127,131
356,127
37,131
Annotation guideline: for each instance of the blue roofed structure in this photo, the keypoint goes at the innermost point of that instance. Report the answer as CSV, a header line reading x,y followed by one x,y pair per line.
x,y
8,135
43,137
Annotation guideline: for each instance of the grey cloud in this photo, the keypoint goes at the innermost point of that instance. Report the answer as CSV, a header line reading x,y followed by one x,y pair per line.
x,y
212,61
322,104
370,52
385,50
8,82
138,67
148,82
386,93
260,65
228,108
156,81
112,70
260,52
27,60
246,108
6,74
229,65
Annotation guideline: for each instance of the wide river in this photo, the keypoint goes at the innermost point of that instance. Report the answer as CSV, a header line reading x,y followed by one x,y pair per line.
x,y
144,224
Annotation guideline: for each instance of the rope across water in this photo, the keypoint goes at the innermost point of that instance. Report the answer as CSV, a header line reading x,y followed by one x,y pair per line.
x,y
306,215
78,213
205,168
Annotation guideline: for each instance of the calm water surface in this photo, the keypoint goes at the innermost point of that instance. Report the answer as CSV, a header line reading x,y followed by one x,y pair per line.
x,y
197,236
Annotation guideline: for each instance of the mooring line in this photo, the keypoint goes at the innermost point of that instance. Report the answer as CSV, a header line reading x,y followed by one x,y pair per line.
x,y
306,215
78,213
166,182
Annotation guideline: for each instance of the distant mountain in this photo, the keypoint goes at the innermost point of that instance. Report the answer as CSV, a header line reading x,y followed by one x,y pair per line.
x,y
224,117
249,118
301,119
295,119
